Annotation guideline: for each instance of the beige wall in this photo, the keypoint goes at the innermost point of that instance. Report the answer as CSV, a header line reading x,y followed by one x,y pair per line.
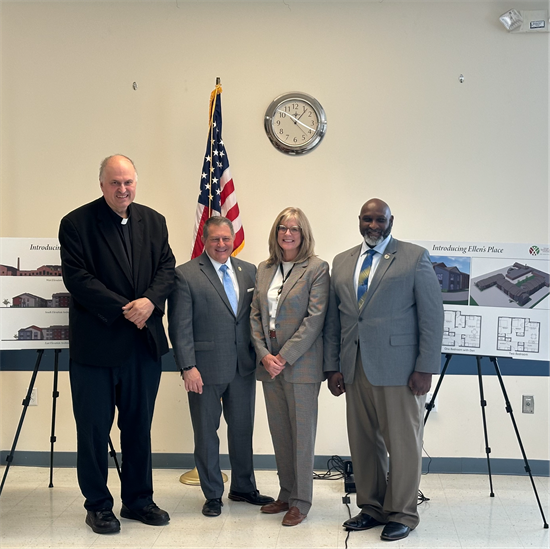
x,y
455,161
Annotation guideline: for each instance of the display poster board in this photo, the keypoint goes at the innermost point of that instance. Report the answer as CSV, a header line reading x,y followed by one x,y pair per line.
x,y
496,298
34,303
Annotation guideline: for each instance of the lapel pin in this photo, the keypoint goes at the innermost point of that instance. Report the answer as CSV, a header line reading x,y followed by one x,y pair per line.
x,y
387,256
239,268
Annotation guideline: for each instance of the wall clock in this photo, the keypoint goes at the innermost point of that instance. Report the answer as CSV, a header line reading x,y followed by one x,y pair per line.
x,y
295,123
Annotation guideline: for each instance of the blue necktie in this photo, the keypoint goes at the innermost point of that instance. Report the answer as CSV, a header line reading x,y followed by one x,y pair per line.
x,y
229,288
363,282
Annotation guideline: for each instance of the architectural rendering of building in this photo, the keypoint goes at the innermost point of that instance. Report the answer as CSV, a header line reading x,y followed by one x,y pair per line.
x,y
43,270
451,279
50,333
519,284
58,300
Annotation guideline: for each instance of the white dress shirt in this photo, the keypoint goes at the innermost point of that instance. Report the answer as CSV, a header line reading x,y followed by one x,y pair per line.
x,y
273,292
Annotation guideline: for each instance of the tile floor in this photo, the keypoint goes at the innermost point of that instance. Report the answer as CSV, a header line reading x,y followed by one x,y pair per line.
x,y
460,514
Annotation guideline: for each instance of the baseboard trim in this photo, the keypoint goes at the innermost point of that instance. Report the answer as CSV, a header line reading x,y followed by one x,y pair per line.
x,y
458,465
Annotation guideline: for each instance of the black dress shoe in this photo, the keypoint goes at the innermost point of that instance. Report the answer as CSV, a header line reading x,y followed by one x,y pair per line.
x,y
103,522
150,514
251,497
212,507
361,522
394,531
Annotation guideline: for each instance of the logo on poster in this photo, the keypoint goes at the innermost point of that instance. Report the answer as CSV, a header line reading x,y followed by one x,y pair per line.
x,y
539,250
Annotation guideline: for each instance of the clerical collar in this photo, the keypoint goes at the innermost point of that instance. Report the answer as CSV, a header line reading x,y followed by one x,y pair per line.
x,y
118,219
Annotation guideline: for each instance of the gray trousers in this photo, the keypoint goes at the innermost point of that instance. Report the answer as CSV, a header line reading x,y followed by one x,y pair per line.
x,y
292,415
381,421
236,399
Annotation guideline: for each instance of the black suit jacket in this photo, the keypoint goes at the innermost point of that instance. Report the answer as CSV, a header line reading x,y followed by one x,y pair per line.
x,y
97,274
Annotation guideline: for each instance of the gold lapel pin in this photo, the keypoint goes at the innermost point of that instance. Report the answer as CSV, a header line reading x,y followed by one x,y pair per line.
x,y
387,256
239,268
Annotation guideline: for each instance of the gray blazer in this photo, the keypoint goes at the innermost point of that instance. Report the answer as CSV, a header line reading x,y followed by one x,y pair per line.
x,y
299,324
399,327
203,329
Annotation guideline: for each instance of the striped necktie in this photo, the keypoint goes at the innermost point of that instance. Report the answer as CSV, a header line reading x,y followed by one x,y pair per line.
x,y
229,288
363,282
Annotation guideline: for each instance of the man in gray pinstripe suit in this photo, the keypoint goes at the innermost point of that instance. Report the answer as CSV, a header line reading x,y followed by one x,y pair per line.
x,y
382,340
208,314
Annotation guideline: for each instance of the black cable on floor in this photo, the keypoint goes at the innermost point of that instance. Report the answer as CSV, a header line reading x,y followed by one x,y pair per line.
x,y
429,461
335,470
421,498
345,501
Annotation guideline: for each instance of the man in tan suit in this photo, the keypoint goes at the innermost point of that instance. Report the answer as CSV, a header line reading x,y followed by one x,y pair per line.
x,y
383,336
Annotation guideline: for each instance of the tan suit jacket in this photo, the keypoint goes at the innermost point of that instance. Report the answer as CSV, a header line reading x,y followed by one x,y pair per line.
x,y
299,324
400,325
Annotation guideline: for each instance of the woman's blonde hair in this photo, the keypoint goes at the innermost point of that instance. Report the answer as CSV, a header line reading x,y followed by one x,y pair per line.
x,y
307,245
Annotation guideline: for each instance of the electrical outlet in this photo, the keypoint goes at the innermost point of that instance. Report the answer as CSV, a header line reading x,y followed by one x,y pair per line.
x,y
528,404
34,397
429,397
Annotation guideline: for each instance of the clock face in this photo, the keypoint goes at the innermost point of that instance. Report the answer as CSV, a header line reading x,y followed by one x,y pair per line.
x,y
295,123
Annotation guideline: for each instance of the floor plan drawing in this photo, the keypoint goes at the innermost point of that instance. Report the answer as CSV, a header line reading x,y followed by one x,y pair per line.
x,y
461,330
518,334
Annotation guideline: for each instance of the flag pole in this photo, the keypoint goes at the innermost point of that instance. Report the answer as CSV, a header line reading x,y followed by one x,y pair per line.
x,y
216,190
213,99
192,477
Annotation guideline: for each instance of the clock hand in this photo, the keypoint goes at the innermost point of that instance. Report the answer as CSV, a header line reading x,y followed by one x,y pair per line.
x,y
302,114
296,120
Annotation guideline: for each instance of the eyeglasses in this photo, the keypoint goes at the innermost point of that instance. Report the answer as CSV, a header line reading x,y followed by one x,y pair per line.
x,y
293,230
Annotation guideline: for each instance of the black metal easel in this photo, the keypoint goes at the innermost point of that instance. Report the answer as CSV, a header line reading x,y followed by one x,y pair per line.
x,y
483,403
26,402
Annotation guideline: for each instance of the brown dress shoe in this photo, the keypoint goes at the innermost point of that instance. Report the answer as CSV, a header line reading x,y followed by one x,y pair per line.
x,y
275,507
293,517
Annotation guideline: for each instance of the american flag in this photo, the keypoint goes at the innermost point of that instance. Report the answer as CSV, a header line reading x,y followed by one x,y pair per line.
x,y
217,191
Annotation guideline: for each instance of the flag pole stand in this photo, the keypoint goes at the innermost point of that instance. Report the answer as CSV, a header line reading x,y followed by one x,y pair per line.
x,y
192,477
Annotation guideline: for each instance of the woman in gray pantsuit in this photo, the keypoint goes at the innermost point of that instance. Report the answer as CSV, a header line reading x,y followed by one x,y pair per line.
x,y
287,315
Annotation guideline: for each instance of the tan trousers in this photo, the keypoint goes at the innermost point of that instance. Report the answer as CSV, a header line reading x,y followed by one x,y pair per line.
x,y
382,421
292,416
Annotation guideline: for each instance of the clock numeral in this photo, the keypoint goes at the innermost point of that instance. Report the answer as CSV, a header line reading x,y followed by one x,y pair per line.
x,y
287,136
303,137
281,131
313,123
278,122
282,114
